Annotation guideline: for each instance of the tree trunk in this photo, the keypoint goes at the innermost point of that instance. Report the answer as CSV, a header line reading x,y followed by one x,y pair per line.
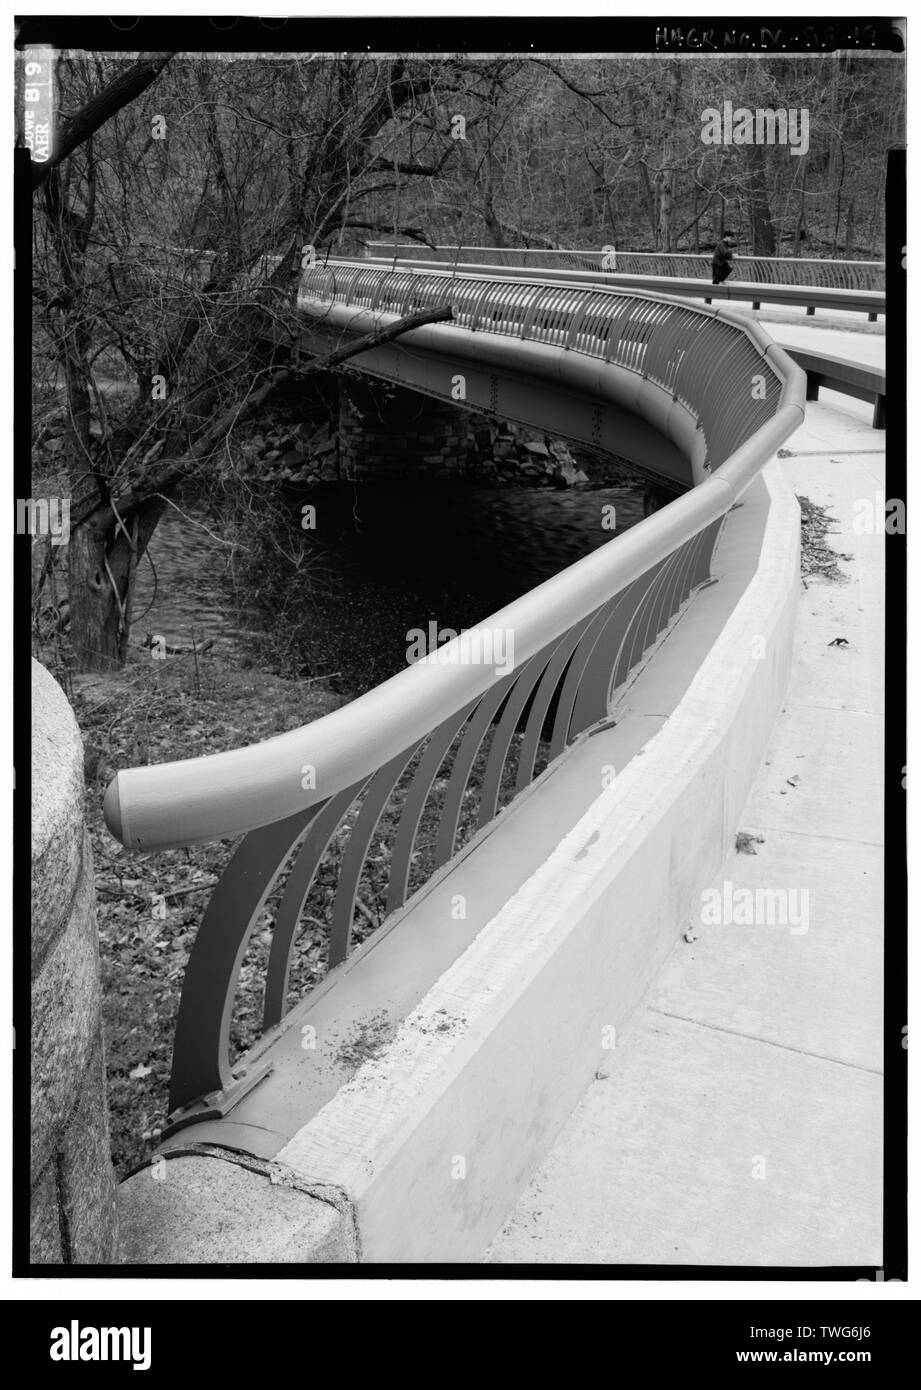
x,y
94,613
493,225
802,231
82,124
665,176
764,242
103,564
849,232
665,210
842,164
650,200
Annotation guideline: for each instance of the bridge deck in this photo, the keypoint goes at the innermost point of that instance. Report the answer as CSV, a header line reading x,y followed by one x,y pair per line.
x,y
757,1043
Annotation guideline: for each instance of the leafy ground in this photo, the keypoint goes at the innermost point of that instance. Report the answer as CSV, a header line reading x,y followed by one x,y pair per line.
x,y
150,905
817,559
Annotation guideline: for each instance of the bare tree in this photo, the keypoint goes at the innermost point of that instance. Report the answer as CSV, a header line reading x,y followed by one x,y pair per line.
x,y
167,250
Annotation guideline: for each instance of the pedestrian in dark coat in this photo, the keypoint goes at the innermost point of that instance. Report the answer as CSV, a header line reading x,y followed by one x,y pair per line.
x,y
722,257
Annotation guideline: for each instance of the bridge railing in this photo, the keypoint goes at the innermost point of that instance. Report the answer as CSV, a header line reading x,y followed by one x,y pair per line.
x,y
810,298
414,772
760,270
676,346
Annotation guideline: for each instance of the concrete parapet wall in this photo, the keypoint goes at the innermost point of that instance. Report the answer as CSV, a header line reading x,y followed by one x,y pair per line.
x,y
73,1192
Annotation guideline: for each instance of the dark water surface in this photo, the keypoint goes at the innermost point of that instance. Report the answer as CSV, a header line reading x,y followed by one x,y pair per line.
x,y
384,562
180,596
451,557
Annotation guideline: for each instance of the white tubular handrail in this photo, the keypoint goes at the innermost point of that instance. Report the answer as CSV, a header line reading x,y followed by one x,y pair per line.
x,y
672,349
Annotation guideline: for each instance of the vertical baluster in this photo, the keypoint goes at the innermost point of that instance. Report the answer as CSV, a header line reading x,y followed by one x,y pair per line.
x,y
567,725
464,759
538,294
201,1060
626,656
607,656
380,789
705,554
505,729
541,702
414,804
297,889
657,600
682,578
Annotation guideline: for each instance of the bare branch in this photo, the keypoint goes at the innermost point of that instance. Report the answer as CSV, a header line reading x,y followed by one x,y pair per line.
x,y
173,469
100,108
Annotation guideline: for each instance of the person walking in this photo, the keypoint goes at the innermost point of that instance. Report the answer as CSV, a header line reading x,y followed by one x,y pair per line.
x,y
722,257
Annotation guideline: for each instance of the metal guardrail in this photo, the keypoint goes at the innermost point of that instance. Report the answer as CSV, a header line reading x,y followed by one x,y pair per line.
x,y
859,380
642,334
449,741
810,298
764,270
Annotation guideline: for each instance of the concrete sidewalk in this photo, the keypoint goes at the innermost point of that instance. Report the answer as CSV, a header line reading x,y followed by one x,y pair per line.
x,y
739,1119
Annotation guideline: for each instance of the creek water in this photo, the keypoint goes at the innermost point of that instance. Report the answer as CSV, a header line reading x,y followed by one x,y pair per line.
x,y
382,563
179,592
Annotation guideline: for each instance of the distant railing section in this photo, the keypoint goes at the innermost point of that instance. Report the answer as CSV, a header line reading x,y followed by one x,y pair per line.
x,y
673,345
411,774
733,290
761,270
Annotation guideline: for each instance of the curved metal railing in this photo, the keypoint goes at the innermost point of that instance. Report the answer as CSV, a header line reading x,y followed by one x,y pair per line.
x,y
759,270
409,772
675,346
810,298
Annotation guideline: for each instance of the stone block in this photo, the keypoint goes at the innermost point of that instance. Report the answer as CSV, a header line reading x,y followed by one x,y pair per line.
x,y
45,1220
207,1210
71,1179
57,810
87,1177
66,1000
